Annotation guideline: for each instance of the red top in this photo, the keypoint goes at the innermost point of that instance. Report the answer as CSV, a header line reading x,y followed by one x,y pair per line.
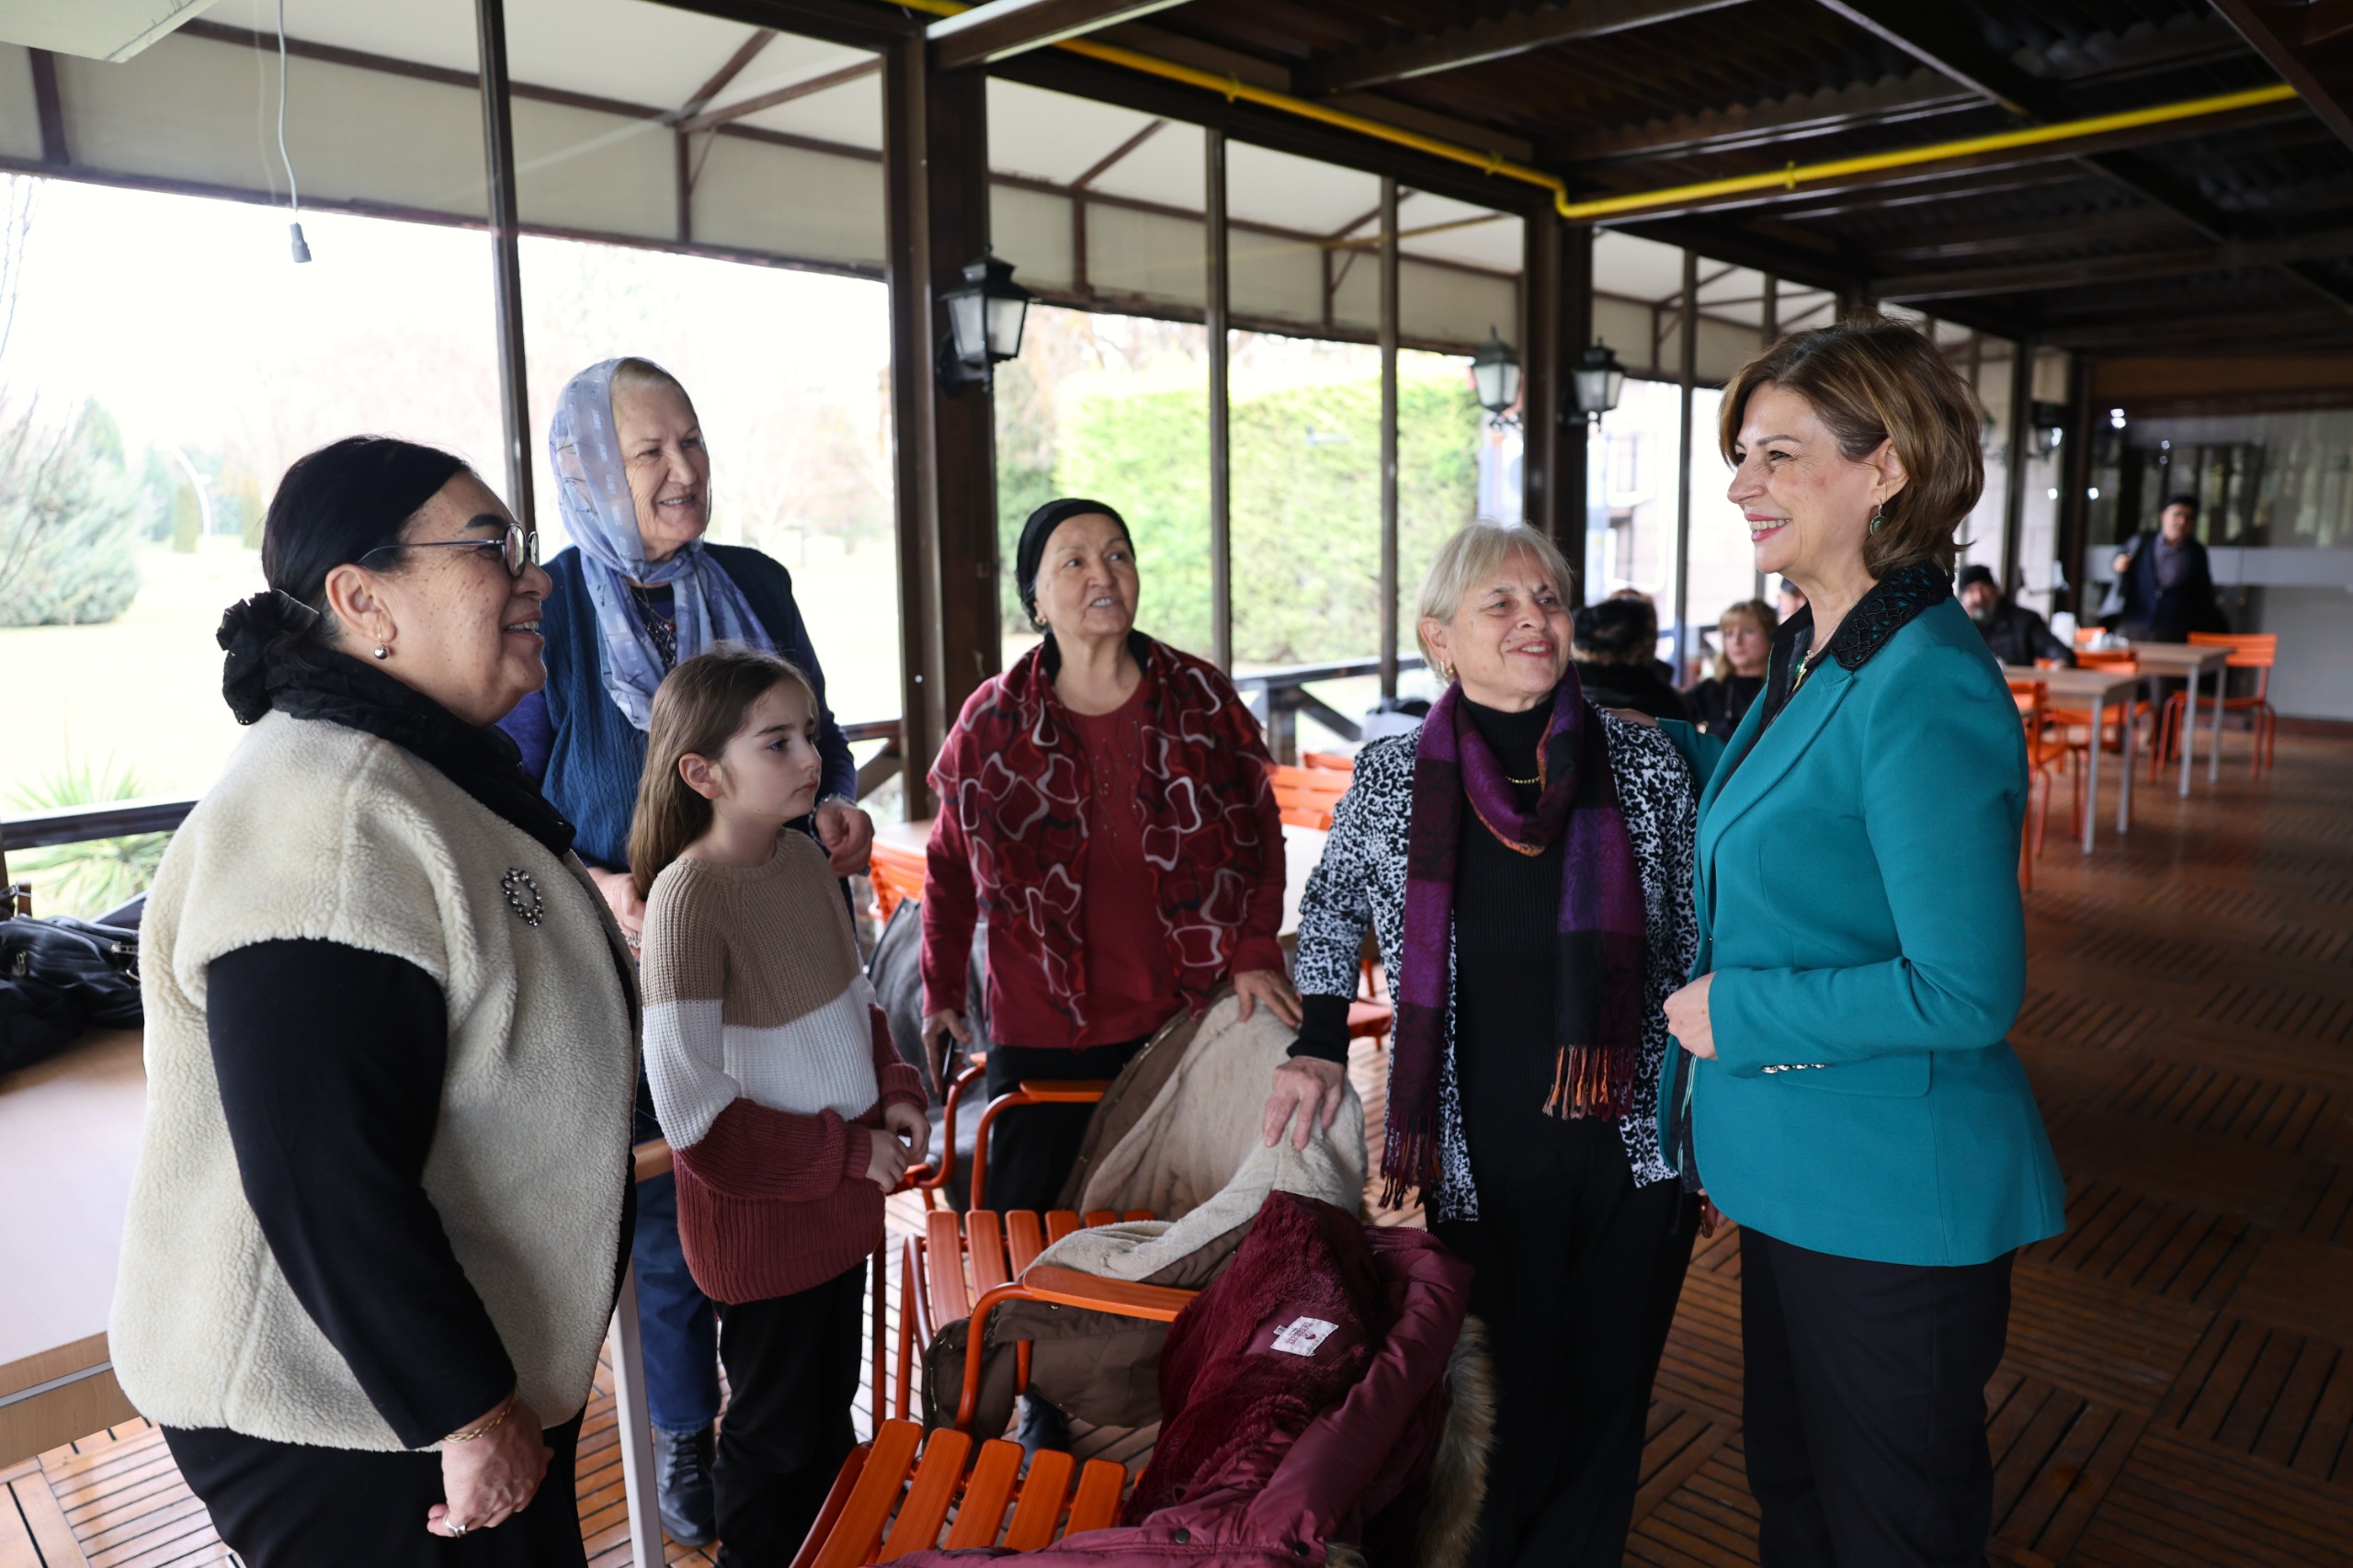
x,y
1131,982
1175,892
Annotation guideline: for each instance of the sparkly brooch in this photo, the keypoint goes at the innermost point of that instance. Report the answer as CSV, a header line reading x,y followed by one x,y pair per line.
x,y
523,895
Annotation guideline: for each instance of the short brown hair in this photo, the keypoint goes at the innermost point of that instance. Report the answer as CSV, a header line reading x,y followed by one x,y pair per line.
x,y
1871,379
697,709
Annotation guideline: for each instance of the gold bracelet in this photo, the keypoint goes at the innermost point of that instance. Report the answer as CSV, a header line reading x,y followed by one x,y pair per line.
x,y
505,1408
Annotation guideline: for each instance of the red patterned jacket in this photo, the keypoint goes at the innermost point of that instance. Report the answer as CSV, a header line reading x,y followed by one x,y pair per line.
x,y
1010,844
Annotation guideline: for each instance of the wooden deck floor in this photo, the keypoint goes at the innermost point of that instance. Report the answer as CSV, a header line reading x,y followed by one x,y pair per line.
x,y
2179,1384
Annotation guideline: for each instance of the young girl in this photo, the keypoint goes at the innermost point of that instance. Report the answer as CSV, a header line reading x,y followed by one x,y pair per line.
x,y
789,1112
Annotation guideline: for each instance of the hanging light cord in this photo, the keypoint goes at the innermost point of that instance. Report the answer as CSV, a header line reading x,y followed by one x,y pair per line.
x,y
293,192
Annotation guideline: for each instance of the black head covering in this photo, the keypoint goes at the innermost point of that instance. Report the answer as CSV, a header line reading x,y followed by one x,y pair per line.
x,y
1038,530
1974,574
1616,632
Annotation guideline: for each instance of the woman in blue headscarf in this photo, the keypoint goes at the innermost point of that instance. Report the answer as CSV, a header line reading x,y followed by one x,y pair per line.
x,y
639,590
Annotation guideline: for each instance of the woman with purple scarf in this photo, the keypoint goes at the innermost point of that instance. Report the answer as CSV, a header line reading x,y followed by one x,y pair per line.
x,y
1525,862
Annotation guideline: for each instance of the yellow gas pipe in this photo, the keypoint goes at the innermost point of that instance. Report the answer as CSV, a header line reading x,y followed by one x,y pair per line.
x,y
1790,178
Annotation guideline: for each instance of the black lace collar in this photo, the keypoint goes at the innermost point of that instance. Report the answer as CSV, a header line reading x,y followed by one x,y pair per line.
x,y
1894,603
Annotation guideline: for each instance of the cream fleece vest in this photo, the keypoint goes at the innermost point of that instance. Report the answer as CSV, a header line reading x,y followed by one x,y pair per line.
x,y
318,831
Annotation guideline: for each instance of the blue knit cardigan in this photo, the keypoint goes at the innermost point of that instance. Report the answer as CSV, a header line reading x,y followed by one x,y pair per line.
x,y
586,756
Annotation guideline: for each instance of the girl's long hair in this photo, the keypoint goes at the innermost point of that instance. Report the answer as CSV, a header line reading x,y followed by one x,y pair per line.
x,y
699,708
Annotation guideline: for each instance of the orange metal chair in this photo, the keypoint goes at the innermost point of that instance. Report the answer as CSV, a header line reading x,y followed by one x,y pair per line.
x,y
950,1272
1306,796
2043,758
1330,761
895,873
905,1493
2249,650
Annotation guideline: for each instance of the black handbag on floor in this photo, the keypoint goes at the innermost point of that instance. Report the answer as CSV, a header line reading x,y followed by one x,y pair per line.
x,y
60,977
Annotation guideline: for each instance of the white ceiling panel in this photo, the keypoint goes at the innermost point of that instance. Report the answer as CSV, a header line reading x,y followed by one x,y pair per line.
x,y
628,49
1484,237
1052,136
1267,186
1169,169
1638,268
429,33
848,116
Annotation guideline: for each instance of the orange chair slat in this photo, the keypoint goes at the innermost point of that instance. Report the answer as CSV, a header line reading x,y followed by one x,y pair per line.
x,y
1060,1223
1041,1507
944,1261
1329,760
836,1499
1134,1214
859,1529
1101,1216
1314,818
928,1495
1025,1236
1068,1287
980,1514
985,1238
1097,1505
1064,1091
1368,1019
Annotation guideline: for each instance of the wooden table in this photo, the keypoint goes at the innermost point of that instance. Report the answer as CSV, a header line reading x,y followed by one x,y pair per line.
x,y
2189,660
69,1136
2098,687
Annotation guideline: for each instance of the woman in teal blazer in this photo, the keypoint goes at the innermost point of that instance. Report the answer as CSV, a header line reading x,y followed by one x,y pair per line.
x,y
1845,1092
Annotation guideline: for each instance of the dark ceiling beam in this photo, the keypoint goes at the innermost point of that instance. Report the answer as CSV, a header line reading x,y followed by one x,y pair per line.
x,y
2312,48
2185,40
1003,29
2093,271
1960,242
1111,160
761,102
744,54
1514,32
1888,101
857,23
2101,147
2153,332
1943,38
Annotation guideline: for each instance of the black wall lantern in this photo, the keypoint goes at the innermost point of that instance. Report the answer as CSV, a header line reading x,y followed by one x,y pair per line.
x,y
985,322
1597,381
1495,375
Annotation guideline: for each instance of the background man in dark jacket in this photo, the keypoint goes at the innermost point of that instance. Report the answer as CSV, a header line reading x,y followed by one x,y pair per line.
x,y
2167,585
2015,634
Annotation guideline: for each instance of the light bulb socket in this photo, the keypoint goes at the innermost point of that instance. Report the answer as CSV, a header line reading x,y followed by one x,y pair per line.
x,y
301,247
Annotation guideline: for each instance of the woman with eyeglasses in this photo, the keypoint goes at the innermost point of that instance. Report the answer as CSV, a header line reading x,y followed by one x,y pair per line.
x,y
382,1195
641,590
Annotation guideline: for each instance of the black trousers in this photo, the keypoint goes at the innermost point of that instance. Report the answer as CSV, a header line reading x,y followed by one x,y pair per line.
x,y
1032,1150
1576,1280
290,1505
1866,1406
791,1377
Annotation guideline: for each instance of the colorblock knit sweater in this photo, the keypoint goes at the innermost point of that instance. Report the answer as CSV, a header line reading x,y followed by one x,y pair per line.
x,y
770,1064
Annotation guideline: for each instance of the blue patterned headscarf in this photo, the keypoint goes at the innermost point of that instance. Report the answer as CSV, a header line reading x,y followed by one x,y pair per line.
x,y
592,489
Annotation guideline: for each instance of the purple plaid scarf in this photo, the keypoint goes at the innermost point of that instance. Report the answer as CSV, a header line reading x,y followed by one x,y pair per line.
x,y
1598,1007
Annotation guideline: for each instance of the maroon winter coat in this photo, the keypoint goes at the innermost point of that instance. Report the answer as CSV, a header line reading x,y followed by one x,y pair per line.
x,y
1307,1394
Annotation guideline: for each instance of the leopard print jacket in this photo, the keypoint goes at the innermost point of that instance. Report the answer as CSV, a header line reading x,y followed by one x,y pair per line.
x,y
1361,881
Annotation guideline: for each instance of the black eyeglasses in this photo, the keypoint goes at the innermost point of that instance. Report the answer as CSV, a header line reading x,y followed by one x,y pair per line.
x,y
518,548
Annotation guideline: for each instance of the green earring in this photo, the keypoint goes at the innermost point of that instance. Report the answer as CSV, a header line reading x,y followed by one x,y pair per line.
x,y
1877,519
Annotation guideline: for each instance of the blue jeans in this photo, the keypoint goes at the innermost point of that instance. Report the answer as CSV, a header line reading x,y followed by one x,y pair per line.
x,y
674,1318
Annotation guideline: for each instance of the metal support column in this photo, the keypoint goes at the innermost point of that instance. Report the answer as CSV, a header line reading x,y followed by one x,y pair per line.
x,y
1558,269
2022,447
1687,374
906,274
1220,453
506,261
964,416
2075,489
1389,586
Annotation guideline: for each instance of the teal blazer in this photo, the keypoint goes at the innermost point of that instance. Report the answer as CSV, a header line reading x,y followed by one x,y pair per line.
x,y
1858,907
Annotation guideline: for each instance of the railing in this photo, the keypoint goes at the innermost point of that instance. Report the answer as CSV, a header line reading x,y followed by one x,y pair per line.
x,y
1278,696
